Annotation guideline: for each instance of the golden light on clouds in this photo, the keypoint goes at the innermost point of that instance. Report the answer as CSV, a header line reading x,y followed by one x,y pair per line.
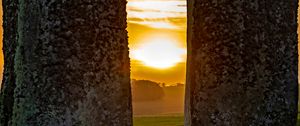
x,y
159,53
157,40
156,13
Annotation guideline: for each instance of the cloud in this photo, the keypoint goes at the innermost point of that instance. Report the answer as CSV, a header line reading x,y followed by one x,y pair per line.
x,y
168,14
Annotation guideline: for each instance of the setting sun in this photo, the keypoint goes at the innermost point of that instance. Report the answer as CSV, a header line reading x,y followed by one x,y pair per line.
x,y
159,53
157,40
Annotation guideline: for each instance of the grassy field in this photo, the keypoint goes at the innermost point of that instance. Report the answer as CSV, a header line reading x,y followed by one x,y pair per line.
x,y
171,120
164,120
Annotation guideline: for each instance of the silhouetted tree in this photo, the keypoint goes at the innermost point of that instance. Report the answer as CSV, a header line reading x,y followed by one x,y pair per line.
x,y
145,90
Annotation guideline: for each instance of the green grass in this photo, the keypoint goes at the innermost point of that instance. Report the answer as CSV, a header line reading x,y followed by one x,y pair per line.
x,y
171,120
167,120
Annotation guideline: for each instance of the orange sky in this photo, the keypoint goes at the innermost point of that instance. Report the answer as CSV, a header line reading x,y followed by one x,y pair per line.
x,y
1,36
160,24
150,20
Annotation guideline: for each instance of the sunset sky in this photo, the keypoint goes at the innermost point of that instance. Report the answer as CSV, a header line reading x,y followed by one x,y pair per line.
x,y
157,36
157,39
1,36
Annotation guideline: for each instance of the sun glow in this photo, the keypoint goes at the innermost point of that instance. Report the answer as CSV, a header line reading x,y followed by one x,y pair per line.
x,y
159,53
157,39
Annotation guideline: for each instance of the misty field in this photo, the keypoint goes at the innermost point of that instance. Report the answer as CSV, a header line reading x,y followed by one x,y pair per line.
x,y
160,120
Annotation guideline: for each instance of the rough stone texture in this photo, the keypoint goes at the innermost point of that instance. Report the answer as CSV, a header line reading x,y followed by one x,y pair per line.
x,y
72,64
9,47
242,63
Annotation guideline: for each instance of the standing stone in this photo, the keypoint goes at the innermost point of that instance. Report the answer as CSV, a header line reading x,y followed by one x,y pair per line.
x,y
72,64
242,63
10,16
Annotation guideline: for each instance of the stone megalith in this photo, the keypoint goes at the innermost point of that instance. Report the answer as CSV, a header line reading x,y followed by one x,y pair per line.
x,y
71,64
9,47
242,63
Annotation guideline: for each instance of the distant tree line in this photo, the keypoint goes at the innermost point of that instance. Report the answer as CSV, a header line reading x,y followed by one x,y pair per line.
x,y
146,90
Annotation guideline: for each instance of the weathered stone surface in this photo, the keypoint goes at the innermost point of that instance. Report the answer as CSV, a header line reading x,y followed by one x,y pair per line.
x,y
9,47
72,64
242,63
